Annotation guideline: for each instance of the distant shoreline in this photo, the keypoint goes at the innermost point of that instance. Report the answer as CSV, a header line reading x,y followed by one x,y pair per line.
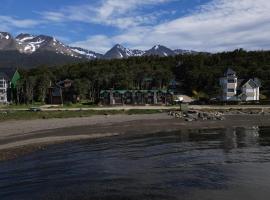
x,y
21,137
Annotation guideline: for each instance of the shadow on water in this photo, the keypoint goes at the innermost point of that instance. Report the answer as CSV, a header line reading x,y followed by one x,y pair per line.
x,y
199,164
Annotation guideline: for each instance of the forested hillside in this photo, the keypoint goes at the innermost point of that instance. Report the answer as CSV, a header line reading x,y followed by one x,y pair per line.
x,y
198,74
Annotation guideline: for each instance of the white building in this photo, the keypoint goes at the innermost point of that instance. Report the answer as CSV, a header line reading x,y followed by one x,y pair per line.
x,y
234,89
4,85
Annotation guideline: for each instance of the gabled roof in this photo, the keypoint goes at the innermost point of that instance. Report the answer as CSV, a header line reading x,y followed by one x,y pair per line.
x,y
252,83
15,78
63,82
258,82
229,72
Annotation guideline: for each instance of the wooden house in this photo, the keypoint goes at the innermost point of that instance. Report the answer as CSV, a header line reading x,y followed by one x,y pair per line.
x,y
62,92
234,89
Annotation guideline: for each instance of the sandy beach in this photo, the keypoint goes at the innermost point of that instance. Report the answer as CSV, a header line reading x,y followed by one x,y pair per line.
x,y
20,137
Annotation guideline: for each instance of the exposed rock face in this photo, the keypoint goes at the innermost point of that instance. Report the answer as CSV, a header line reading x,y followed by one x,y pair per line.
x,y
118,52
30,44
7,42
87,53
39,49
161,51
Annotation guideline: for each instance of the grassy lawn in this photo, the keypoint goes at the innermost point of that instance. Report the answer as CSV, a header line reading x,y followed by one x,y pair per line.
x,y
27,115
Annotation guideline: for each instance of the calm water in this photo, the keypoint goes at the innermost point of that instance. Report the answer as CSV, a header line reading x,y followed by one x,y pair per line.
x,y
213,164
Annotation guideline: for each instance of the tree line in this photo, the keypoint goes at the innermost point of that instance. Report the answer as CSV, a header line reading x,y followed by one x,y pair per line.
x,y
198,74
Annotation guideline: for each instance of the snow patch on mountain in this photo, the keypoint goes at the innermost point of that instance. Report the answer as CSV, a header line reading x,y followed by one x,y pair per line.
x,y
118,52
4,36
29,44
86,53
184,52
159,50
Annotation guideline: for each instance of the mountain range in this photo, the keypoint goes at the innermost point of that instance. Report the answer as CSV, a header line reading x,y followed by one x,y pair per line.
x,y
28,46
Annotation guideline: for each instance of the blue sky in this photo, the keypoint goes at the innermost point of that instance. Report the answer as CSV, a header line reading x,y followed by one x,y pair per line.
x,y
203,25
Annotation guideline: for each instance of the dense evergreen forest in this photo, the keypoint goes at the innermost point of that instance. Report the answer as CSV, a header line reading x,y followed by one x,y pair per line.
x,y
198,74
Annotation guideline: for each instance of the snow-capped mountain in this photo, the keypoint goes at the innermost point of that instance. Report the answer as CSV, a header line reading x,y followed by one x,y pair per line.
x,y
7,42
4,35
32,44
29,44
87,53
118,52
184,52
160,50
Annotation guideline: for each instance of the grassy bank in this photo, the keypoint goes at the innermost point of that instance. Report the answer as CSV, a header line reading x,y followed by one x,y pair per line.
x,y
37,104
28,115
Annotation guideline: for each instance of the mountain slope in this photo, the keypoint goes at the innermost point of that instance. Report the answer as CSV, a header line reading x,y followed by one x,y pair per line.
x,y
160,50
183,52
86,53
118,52
26,46
45,58
30,44
7,42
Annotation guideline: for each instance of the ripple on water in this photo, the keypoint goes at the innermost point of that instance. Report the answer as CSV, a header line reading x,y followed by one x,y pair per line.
x,y
208,164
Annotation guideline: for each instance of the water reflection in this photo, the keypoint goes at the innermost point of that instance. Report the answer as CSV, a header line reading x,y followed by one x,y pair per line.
x,y
240,137
200,164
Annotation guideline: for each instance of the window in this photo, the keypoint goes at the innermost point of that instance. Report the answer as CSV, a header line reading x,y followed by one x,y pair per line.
x,y
231,81
231,90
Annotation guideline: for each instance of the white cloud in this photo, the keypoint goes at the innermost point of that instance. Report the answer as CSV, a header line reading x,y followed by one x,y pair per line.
x,y
119,13
97,43
216,26
8,22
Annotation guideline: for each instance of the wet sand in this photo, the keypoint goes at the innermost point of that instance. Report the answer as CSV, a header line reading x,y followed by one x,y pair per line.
x,y
22,137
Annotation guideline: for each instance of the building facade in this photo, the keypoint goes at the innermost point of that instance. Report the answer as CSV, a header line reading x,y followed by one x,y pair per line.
x,y
4,85
8,83
234,89
62,92
135,97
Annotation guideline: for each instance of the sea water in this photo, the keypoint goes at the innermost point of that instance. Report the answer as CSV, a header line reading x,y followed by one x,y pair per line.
x,y
229,163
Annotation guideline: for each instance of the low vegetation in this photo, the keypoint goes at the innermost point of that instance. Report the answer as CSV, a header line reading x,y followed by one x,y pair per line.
x,y
28,115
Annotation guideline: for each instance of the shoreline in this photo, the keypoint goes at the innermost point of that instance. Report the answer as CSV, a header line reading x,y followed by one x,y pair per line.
x,y
23,137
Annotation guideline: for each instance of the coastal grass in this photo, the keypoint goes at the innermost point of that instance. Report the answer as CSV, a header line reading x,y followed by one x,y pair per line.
x,y
28,115
39,104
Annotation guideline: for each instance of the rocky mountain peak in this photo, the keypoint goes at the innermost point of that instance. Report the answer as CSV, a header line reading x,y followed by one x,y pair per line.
x,y
159,50
30,44
5,36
